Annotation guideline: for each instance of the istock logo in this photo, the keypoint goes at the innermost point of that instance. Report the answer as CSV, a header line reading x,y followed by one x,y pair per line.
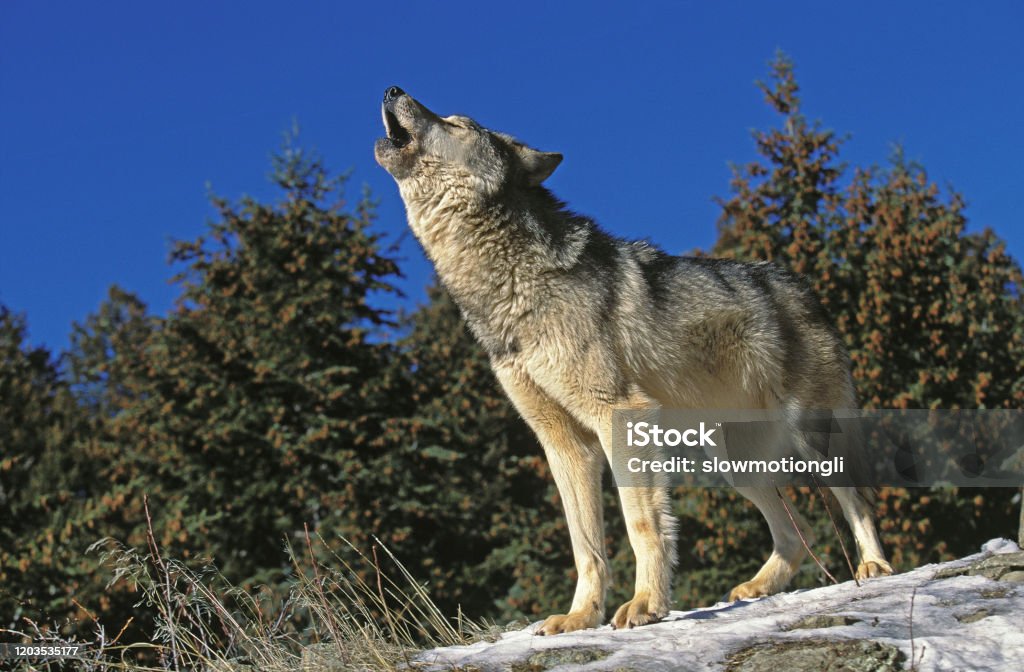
x,y
641,434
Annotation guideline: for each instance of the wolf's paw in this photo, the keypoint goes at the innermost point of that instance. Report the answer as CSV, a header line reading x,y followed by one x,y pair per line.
x,y
575,620
872,569
641,610
748,590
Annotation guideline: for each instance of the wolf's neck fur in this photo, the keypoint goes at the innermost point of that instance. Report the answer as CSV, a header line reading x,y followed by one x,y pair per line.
x,y
491,256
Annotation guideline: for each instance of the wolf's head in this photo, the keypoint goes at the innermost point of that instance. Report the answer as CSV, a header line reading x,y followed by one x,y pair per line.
x,y
426,153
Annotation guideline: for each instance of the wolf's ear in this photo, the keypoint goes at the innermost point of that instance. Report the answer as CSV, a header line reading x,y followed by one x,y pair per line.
x,y
537,166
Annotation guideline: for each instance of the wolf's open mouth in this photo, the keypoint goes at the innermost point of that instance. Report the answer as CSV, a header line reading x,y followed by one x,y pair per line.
x,y
398,136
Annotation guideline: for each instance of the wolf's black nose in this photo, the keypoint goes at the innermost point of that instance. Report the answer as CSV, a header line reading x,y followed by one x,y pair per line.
x,y
392,93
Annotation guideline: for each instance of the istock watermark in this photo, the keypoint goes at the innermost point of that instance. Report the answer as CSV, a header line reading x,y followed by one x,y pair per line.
x,y
839,448
642,434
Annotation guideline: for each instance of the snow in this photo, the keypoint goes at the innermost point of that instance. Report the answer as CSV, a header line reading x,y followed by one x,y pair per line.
x,y
990,635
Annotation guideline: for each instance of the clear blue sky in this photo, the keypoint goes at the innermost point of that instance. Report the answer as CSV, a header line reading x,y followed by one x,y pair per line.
x,y
115,116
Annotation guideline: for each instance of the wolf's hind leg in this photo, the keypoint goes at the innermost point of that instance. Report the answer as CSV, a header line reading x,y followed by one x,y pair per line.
x,y
576,462
860,514
787,552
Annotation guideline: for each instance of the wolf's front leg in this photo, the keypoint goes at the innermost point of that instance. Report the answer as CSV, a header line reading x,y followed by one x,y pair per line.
x,y
652,534
652,530
576,461
577,470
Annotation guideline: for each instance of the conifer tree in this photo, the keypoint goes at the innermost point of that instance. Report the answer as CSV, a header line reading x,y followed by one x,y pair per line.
x,y
44,471
932,314
260,404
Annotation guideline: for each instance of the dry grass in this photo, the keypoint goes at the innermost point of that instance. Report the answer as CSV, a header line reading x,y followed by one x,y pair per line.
x,y
204,623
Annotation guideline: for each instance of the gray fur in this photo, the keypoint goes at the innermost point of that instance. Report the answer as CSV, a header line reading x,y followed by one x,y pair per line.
x,y
577,323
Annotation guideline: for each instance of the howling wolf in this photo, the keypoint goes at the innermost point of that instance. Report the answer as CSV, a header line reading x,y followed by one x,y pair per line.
x,y
578,323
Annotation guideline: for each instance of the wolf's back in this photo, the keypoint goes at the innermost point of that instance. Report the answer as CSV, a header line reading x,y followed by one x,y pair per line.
x,y
754,320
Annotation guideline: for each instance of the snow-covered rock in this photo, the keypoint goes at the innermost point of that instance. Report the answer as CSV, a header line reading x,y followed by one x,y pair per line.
x,y
967,614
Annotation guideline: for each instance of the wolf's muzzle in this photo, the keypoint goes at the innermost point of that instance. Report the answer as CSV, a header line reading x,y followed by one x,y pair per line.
x,y
398,135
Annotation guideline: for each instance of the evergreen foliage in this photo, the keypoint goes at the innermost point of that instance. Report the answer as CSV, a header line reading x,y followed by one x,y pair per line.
x,y
932,314
46,469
